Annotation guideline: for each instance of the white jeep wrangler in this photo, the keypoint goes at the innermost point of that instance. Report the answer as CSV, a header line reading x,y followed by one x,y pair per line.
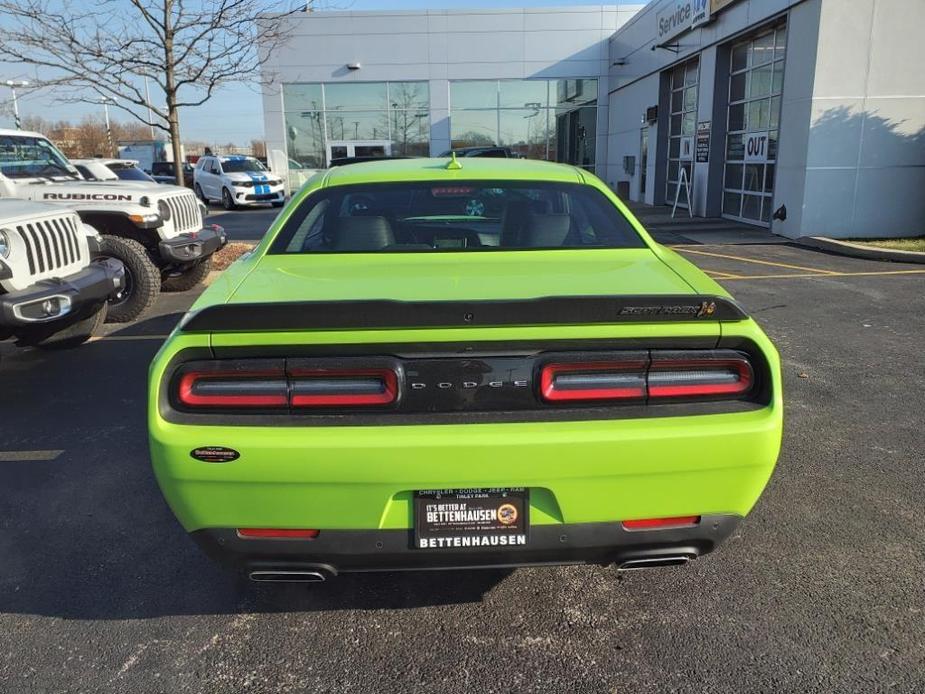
x,y
52,294
156,230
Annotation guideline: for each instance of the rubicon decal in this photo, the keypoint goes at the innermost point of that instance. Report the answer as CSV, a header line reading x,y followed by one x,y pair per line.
x,y
112,197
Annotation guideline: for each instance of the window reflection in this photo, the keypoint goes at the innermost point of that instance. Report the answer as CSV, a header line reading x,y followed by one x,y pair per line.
x,y
539,119
357,119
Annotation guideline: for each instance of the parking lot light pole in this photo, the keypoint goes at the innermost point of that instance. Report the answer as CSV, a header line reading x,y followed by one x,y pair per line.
x,y
12,84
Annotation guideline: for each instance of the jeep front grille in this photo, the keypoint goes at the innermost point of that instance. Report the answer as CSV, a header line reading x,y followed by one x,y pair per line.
x,y
184,213
51,245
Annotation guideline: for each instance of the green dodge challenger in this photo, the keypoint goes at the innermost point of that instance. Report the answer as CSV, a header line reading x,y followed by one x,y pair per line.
x,y
438,364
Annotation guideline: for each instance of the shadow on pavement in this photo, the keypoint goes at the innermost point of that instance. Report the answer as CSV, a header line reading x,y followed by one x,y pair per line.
x,y
87,535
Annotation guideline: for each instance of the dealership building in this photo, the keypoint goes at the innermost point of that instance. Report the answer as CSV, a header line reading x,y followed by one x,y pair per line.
x,y
803,118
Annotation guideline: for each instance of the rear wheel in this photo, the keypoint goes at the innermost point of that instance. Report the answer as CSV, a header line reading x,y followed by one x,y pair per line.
x,y
189,278
75,334
227,199
142,279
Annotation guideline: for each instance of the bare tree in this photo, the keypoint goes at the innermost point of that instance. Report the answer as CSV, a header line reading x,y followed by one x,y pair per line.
x,y
93,50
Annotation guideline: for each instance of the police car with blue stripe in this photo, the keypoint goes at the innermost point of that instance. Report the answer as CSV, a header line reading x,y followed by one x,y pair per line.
x,y
236,180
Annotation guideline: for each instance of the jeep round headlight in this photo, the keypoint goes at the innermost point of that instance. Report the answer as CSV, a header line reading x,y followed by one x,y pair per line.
x,y
163,210
5,243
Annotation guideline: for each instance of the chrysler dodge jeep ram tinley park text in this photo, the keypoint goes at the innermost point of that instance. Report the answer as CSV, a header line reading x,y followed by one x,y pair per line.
x,y
432,363
156,231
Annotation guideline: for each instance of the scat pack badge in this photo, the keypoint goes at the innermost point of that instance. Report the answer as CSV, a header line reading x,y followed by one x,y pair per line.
x,y
507,514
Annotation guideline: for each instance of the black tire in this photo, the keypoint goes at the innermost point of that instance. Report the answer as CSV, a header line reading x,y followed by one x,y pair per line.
x,y
278,204
227,200
189,278
75,334
199,194
142,279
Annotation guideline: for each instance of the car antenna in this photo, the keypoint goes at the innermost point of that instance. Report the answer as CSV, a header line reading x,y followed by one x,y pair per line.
x,y
453,164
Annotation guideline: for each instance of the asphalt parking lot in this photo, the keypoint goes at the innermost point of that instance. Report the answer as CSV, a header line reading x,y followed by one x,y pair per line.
x,y
821,589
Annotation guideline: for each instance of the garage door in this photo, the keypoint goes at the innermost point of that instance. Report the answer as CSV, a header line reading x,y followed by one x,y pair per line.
x,y
755,83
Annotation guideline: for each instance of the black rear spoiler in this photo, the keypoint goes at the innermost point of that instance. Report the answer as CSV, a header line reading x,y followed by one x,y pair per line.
x,y
386,314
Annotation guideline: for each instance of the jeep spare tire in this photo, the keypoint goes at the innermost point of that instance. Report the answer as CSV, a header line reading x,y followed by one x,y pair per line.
x,y
142,279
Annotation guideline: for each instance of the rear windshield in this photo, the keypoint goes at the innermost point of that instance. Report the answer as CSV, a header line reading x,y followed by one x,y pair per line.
x,y
459,216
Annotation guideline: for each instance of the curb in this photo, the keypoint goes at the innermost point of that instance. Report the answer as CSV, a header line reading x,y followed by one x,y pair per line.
x,y
855,250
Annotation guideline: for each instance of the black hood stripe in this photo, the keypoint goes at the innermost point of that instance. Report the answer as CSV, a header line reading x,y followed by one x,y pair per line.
x,y
385,314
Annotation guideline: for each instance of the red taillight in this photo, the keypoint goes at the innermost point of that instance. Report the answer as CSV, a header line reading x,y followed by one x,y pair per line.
x,y
266,385
278,533
663,375
340,388
684,378
661,523
234,389
601,380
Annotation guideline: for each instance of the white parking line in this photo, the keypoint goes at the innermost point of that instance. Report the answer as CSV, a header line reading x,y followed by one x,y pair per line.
x,y
27,456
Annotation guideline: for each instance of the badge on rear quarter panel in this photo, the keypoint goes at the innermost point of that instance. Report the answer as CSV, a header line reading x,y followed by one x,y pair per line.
x,y
214,454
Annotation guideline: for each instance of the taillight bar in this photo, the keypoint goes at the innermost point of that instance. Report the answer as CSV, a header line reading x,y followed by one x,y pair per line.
x,y
212,385
328,388
723,374
234,389
604,380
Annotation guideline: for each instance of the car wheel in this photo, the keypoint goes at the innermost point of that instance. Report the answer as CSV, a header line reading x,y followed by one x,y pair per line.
x,y
199,194
142,279
279,204
186,280
73,335
227,200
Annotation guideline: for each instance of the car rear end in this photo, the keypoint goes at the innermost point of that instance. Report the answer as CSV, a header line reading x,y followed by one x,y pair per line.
x,y
494,409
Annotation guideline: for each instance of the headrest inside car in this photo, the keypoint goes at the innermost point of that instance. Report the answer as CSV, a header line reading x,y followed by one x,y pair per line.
x,y
362,234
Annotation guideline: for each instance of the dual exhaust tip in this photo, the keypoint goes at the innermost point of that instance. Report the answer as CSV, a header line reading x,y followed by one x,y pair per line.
x,y
321,574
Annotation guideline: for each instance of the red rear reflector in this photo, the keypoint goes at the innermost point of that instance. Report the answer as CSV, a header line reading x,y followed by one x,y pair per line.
x,y
279,533
334,388
699,378
661,523
234,389
593,381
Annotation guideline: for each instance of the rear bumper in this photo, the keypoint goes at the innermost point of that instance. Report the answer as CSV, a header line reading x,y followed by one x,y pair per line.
x,y
76,296
342,551
189,248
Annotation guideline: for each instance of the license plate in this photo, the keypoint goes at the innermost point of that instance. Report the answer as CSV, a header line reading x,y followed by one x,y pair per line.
x,y
470,518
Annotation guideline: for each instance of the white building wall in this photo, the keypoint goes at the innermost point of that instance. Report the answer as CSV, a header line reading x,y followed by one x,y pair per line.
x,y
444,45
851,159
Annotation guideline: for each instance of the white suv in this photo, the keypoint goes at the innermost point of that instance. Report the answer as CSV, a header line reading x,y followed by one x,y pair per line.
x,y
236,180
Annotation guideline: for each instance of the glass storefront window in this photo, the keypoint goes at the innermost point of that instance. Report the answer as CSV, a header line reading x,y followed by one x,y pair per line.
x,y
355,96
683,88
329,121
541,119
474,94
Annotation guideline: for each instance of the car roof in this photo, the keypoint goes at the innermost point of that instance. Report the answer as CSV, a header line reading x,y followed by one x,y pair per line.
x,y
436,169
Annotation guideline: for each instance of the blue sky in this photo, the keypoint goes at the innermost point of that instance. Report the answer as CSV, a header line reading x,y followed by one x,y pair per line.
x,y
234,114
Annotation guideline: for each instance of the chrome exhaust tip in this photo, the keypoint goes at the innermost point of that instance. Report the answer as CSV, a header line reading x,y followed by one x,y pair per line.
x,y
655,562
286,576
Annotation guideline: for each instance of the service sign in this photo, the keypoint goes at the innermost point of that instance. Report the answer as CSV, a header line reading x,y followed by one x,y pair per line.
x,y
702,147
679,16
756,148
492,519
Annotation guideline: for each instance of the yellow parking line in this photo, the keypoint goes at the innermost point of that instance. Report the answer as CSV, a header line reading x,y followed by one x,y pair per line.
x,y
26,456
723,275
828,275
759,262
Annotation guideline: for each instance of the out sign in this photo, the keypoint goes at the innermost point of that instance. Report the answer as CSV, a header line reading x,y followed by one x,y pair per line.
x,y
756,148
